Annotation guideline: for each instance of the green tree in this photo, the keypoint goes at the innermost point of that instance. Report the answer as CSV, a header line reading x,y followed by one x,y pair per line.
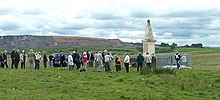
x,y
198,45
173,46
164,44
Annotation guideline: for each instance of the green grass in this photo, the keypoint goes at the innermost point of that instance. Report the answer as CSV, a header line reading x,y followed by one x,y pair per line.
x,y
198,50
204,58
53,84
202,82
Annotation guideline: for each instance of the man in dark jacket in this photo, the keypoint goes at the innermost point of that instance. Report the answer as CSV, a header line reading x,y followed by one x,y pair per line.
x,y
140,60
1,60
76,59
17,58
13,58
62,60
51,60
45,60
91,59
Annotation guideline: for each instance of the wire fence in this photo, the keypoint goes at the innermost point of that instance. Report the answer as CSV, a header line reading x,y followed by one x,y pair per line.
x,y
169,60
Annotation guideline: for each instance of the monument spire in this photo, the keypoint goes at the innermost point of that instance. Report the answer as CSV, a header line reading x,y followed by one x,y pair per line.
x,y
149,33
148,42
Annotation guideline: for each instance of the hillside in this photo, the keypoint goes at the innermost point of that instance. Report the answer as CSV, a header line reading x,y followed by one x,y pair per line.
x,y
29,41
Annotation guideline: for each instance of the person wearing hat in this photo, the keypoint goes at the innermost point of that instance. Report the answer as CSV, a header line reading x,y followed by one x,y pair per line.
x,y
5,58
31,58
23,59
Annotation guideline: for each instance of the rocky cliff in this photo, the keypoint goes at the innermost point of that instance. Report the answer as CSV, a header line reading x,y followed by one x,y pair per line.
x,y
29,41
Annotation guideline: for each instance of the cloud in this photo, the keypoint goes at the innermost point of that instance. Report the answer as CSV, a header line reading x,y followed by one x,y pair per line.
x,y
101,16
4,11
174,21
214,12
139,13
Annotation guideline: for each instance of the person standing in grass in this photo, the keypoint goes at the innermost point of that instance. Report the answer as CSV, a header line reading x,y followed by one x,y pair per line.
x,y
5,58
91,59
31,58
76,59
1,60
37,61
98,61
148,61
45,60
84,61
177,57
51,60
117,63
17,58
13,59
140,60
70,62
108,59
126,62
23,59
62,60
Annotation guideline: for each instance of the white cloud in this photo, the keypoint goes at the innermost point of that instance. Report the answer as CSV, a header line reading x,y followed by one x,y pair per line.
x,y
179,21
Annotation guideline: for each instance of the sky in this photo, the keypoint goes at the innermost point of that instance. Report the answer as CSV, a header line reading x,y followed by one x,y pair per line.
x,y
173,21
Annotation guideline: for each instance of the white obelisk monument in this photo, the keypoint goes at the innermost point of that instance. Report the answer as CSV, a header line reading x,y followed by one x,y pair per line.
x,y
148,42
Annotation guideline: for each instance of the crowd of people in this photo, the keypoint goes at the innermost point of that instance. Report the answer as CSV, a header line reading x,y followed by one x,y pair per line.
x,y
16,56
74,60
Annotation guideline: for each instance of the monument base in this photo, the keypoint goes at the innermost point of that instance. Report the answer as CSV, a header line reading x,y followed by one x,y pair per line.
x,y
149,47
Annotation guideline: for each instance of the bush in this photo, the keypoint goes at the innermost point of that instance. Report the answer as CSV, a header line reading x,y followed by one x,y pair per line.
x,y
163,50
164,71
145,71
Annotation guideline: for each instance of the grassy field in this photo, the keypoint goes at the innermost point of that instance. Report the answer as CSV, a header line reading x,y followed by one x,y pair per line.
x,y
204,58
201,82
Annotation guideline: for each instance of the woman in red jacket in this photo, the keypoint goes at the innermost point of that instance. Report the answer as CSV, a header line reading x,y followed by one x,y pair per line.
x,y
84,61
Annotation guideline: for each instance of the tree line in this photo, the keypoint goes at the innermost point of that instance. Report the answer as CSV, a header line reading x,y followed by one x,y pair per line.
x,y
174,45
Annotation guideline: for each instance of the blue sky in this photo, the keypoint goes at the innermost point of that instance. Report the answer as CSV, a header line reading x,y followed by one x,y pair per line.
x,y
173,21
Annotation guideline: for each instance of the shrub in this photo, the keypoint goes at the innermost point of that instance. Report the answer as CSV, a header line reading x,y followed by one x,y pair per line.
x,y
164,71
163,50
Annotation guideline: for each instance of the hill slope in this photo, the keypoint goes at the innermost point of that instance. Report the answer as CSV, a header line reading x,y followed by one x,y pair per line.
x,y
29,41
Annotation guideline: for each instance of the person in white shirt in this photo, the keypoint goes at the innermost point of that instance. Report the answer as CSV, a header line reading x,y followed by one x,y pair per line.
x,y
126,62
23,59
70,62
148,60
177,57
98,61
37,61
107,62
